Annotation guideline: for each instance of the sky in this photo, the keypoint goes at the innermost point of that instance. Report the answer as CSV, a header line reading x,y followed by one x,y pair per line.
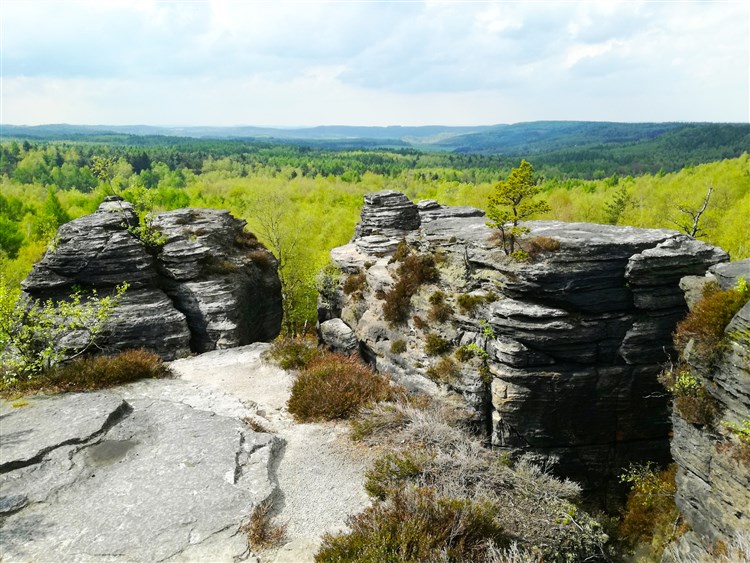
x,y
306,63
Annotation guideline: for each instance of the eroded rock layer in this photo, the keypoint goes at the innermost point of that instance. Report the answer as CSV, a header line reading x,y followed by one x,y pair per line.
x,y
210,285
566,346
713,465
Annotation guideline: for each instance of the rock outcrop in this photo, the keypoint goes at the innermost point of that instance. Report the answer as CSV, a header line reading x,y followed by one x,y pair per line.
x,y
209,285
566,347
713,478
153,471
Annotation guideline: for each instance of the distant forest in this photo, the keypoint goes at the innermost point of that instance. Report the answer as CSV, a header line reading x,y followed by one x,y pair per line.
x,y
306,198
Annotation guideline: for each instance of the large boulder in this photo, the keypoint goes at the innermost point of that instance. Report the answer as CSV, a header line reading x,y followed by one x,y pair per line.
x,y
210,285
571,341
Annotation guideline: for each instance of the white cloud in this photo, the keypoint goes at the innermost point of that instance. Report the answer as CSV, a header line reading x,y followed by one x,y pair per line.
x,y
309,62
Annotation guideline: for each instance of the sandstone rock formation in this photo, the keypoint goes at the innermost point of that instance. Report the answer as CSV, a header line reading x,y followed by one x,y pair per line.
x,y
713,483
571,342
153,471
210,285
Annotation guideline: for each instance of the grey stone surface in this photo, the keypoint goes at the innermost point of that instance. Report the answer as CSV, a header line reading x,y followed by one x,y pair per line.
x,y
574,337
727,273
389,213
148,472
338,336
211,285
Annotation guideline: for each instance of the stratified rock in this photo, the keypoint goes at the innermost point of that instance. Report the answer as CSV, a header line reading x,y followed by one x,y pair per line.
x,y
221,278
713,479
338,336
211,285
147,472
389,213
574,338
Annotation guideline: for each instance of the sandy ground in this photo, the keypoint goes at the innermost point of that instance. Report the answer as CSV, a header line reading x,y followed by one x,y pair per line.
x,y
320,473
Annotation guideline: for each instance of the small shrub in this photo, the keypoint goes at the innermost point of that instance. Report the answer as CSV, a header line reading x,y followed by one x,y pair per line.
x,y
219,265
355,283
397,303
691,400
440,257
468,303
487,330
295,353
261,533
740,451
468,351
389,473
248,240
444,371
413,271
334,386
706,322
520,255
537,245
419,322
402,251
436,345
416,525
648,522
398,346
262,258
490,297
440,310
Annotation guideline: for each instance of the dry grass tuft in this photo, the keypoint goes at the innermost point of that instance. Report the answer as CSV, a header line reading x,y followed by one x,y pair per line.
x,y
261,533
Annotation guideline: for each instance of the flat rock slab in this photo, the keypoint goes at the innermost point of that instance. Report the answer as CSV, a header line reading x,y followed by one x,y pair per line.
x,y
154,471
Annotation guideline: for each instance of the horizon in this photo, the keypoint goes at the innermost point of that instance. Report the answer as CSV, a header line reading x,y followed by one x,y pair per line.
x,y
306,63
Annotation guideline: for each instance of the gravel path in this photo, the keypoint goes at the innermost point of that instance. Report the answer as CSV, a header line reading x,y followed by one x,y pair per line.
x,y
320,473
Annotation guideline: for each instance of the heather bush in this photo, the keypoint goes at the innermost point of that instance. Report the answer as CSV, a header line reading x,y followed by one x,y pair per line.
x,y
436,345
295,353
417,525
707,320
334,386
413,271
355,283
398,346
468,303
445,370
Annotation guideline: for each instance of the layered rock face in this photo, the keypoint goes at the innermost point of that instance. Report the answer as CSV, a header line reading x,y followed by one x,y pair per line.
x,y
566,346
210,285
713,482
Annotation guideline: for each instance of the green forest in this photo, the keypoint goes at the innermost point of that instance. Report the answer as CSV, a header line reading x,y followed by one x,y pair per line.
x,y
302,201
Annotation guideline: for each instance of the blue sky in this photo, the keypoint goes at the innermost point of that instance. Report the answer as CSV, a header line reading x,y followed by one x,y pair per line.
x,y
304,63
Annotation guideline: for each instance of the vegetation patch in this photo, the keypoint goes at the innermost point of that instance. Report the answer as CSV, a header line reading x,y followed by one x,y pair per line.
x,y
262,258
90,373
541,244
705,323
390,472
468,303
436,345
333,386
650,520
398,346
444,371
440,311
295,353
261,532
355,283
691,399
417,525
413,271
739,450
247,240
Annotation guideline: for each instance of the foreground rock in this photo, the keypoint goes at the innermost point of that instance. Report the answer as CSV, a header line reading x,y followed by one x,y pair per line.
x,y
154,471
210,285
713,481
573,339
